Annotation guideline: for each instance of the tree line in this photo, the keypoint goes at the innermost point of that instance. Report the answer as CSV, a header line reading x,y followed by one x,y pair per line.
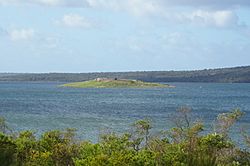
x,y
223,75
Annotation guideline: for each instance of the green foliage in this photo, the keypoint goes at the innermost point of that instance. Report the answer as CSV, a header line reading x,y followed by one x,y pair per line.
x,y
7,150
184,145
215,142
60,145
25,143
142,128
144,158
112,142
226,120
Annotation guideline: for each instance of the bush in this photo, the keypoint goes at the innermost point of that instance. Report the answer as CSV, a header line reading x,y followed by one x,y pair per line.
x,y
183,145
7,150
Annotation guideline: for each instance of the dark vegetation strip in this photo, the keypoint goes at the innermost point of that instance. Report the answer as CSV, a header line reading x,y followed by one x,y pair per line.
x,y
222,75
183,145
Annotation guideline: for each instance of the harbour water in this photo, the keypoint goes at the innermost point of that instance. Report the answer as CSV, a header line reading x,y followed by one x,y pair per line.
x,y
46,106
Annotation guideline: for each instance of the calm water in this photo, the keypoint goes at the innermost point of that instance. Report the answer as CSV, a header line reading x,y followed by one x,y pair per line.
x,y
45,106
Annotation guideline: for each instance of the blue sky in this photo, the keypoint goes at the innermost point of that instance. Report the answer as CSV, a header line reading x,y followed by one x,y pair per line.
x,y
115,35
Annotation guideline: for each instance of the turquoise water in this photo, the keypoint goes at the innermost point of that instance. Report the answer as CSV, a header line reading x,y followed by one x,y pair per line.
x,y
45,106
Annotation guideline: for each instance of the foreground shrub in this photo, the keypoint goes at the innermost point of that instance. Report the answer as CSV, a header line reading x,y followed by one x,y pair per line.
x,y
7,150
60,147
183,145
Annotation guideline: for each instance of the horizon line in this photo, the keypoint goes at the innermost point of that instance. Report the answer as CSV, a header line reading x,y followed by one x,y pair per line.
x,y
129,71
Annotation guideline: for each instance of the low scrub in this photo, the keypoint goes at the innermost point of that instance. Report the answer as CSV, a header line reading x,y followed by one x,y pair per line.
x,y
183,145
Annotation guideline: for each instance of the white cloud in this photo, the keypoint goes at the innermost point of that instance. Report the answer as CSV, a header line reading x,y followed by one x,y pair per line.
x,y
140,7
116,4
214,13
56,3
64,3
221,19
211,16
137,7
75,21
21,34
207,3
48,2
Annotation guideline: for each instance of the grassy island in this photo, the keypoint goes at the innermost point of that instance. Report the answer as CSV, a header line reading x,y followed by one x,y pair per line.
x,y
115,83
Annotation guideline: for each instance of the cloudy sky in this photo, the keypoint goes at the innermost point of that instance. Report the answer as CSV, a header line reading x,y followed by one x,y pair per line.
x,y
123,35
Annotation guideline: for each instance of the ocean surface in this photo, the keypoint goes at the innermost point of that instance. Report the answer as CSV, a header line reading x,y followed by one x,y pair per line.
x,y
46,106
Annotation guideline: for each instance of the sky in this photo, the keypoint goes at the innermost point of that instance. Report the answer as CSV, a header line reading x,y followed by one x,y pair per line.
x,y
123,35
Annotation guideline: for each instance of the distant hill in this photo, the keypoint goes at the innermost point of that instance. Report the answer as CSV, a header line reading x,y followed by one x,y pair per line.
x,y
222,75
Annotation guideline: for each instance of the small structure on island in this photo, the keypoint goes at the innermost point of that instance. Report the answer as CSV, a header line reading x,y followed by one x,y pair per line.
x,y
102,79
105,79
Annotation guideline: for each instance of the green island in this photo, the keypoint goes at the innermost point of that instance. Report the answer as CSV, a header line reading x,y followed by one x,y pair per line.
x,y
115,83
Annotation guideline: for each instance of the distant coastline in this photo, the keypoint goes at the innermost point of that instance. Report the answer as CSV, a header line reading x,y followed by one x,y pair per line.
x,y
221,75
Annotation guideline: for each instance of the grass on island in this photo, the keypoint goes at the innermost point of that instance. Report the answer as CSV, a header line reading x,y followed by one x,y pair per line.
x,y
114,83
